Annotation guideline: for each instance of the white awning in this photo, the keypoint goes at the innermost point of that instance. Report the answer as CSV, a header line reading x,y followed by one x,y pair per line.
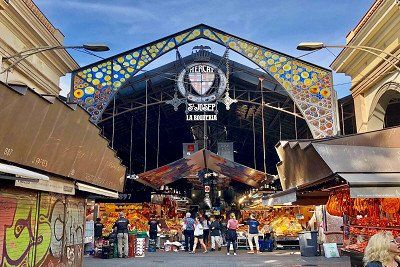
x,y
96,190
373,185
21,173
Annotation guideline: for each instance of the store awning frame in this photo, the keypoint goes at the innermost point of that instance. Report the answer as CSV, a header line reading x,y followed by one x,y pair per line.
x,y
306,162
21,173
97,190
373,185
296,196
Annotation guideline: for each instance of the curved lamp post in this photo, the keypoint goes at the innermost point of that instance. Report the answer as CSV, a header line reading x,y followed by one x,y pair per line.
x,y
311,46
32,51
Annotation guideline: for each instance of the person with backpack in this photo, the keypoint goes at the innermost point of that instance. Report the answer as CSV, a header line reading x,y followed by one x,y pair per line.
x,y
252,233
215,232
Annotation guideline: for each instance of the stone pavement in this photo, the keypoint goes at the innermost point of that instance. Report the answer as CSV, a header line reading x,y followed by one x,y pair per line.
x,y
177,259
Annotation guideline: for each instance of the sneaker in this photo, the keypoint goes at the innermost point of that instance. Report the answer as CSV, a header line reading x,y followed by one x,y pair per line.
x,y
212,249
227,254
250,252
234,254
206,251
259,252
192,252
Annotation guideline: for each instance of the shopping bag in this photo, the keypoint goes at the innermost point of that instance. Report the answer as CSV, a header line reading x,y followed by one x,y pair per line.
x,y
331,250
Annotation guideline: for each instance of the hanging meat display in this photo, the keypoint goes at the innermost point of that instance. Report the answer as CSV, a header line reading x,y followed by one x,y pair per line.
x,y
334,206
390,205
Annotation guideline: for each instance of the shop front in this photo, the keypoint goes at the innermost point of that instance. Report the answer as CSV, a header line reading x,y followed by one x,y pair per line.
x,y
363,189
46,177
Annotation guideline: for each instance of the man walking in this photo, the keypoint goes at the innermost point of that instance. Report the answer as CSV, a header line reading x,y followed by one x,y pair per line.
x,y
215,232
253,233
121,226
188,231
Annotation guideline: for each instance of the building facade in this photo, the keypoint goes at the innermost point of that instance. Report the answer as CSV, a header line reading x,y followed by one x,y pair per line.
x,y
375,81
24,26
52,158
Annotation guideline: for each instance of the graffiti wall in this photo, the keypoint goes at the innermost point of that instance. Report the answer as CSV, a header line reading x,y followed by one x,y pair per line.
x,y
40,229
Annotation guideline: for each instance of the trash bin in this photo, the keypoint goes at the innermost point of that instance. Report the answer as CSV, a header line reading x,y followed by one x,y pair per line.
x,y
308,243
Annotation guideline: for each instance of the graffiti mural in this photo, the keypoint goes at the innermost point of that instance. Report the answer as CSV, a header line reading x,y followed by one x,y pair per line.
x,y
40,229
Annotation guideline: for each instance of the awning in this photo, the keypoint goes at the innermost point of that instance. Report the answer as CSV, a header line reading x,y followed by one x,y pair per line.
x,y
296,197
306,162
202,159
47,134
21,173
373,185
96,190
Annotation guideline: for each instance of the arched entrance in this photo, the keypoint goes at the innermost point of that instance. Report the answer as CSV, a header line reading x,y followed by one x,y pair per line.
x,y
385,106
148,133
309,86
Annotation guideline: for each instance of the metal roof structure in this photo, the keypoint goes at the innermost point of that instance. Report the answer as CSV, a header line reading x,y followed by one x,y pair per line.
x,y
167,129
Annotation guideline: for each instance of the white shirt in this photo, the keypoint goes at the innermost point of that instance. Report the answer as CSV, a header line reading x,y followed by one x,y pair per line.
x,y
198,229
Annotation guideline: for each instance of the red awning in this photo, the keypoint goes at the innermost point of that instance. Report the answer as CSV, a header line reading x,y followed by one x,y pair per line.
x,y
203,159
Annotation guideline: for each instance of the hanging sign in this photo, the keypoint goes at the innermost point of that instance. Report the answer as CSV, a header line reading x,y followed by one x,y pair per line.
x,y
193,112
53,185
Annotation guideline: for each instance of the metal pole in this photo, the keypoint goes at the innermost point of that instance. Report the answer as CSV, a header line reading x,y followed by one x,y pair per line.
x,y
113,124
145,134
130,149
158,131
295,119
263,122
254,143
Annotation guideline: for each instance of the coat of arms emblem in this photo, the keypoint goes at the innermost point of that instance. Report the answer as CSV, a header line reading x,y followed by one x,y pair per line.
x,y
201,78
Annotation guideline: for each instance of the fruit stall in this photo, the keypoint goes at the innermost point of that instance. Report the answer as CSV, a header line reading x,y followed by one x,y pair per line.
x,y
286,222
363,217
139,214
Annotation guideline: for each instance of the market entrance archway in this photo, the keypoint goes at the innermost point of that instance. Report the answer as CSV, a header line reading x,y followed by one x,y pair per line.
x,y
309,86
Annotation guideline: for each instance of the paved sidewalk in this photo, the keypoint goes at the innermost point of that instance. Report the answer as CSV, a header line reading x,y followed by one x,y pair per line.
x,y
176,259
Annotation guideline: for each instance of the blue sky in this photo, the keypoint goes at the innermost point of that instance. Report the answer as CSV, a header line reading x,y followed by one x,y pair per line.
x,y
280,25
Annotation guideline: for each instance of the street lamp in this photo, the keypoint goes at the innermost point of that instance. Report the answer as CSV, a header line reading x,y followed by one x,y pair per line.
x,y
312,46
32,51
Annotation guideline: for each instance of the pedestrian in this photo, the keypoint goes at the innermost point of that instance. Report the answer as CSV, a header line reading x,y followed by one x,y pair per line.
x,y
223,224
206,229
231,235
382,251
188,231
153,228
122,225
98,229
199,236
215,232
252,233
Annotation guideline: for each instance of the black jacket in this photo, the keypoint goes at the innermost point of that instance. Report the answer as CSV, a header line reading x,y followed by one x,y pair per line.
x,y
122,225
215,229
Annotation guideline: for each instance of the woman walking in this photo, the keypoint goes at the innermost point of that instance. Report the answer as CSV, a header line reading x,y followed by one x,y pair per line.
x,y
231,235
198,236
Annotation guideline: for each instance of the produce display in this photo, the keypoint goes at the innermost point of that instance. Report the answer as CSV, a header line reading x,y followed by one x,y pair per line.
x,y
139,214
286,225
283,221
364,217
